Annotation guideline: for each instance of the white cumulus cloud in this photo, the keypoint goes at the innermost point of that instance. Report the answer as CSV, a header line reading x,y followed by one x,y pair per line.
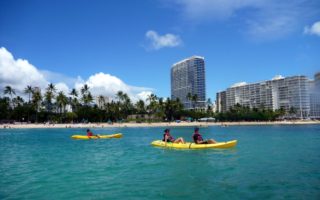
x,y
161,41
62,87
313,30
144,95
108,85
18,73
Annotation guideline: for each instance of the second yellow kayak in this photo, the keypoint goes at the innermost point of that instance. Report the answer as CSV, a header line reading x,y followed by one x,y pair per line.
x,y
188,145
84,137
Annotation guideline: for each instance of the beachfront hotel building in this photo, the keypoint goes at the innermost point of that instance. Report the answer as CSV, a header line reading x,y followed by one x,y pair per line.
x,y
221,100
315,97
188,76
293,94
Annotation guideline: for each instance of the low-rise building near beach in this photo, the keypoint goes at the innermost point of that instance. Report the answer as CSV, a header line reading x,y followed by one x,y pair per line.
x,y
297,95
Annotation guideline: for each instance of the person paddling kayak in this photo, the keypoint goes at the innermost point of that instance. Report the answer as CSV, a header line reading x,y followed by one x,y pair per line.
x,y
90,134
197,138
168,138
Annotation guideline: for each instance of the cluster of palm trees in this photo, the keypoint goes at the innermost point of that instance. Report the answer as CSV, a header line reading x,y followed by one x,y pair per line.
x,y
193,99
50,102
80,106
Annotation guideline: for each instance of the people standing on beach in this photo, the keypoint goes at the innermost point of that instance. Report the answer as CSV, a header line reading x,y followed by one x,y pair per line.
x,y
90,134
197,138
168,138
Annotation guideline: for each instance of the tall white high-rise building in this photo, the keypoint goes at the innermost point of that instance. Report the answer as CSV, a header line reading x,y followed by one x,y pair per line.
x,y
188,76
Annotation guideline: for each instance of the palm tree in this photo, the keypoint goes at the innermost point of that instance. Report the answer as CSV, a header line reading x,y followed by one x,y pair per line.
x,y
28,90
120,96
51,88
74,93
115,110
209,105
62,101
87,99
168,109
17,101
161,103
194,100
127,105
124,103
153,104
178,105
189,97
173,108
74,101
49,95
160,110
85,89
86,95
292,111
9,90
101,101
126,97
36,100
152,98
140,106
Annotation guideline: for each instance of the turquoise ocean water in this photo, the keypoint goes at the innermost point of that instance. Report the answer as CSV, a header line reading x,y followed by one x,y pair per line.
x,y
269,162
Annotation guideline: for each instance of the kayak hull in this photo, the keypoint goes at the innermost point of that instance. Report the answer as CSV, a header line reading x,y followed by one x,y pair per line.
x,y
188,145
84,137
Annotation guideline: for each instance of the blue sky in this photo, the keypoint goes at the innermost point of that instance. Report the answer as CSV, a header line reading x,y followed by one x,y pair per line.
x,y
134,43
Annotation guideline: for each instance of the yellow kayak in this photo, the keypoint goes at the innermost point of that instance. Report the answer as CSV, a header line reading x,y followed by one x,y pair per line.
x,y
84,137
188,145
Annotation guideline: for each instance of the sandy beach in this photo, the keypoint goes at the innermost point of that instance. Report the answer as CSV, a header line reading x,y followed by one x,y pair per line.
x,y
158,124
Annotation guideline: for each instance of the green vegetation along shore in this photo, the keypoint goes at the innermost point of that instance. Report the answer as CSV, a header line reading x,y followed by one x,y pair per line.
x,y
80,107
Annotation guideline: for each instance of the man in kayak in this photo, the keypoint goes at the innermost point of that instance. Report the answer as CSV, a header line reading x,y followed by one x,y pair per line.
x,y
197,138
90,134
168,138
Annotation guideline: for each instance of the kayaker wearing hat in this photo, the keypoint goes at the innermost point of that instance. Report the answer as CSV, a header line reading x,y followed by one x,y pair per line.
x,y
168,138
197,138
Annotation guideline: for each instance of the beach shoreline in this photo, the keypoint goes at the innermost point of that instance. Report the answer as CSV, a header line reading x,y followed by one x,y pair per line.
x,y
155,124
